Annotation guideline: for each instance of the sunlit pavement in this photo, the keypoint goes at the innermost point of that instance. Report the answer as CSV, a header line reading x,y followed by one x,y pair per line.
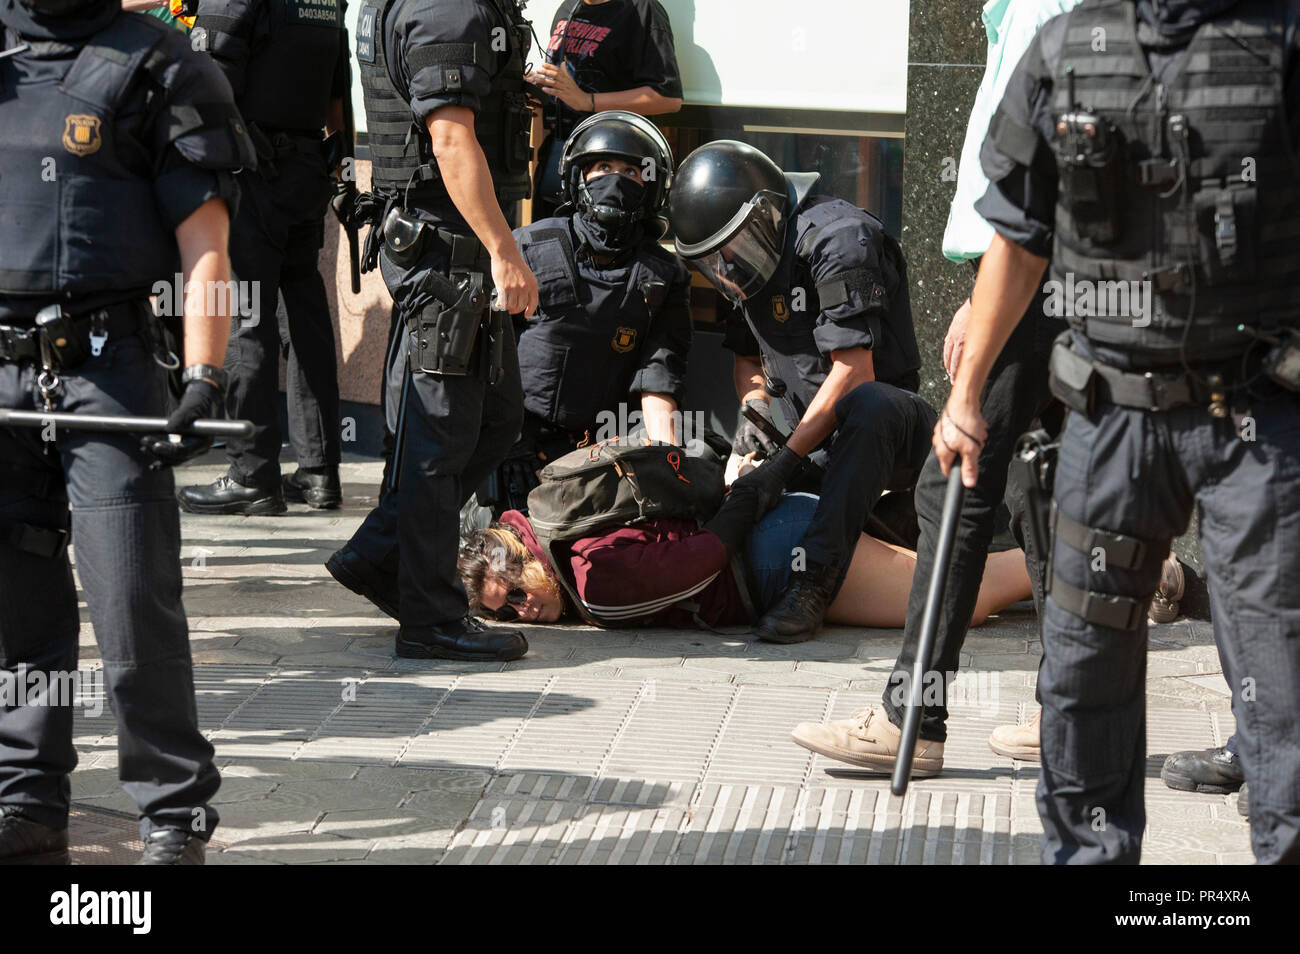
x,y
657,746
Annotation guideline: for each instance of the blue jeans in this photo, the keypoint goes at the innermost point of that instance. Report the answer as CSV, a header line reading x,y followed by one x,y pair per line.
x,y
770,552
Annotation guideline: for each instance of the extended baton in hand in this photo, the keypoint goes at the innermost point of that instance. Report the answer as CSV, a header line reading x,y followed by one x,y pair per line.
x,y
205,427
952,501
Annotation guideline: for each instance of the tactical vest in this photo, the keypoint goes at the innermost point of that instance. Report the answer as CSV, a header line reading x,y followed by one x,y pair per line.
x,y
401,151
291,75
576,364
78,214
783,314
1195,207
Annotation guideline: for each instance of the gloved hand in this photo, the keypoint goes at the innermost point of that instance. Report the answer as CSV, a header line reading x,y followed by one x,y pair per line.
x,y
769,480
345,205
201,398
750,439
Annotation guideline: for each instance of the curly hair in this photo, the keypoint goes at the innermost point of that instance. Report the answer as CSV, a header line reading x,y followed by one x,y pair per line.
x,y
499,552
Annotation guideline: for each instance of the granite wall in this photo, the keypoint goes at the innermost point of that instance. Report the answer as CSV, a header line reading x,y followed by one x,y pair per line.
x,y
946,55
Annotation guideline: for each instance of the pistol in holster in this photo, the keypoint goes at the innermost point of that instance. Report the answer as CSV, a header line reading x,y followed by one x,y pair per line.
x,y
1035,459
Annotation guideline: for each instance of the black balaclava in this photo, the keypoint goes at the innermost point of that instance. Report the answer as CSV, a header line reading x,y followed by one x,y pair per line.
x,y
58,19
613,221
1174,21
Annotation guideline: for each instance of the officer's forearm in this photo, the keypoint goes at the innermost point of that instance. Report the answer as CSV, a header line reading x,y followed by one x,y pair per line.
x,y
747,372
850,368
657,412
1008,280
466,175
642,99
204,240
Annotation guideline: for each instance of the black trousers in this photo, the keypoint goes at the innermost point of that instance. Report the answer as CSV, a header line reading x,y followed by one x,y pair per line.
x,y
274,242
880,441
451,432
1141,473
127,537
1014,397
311,374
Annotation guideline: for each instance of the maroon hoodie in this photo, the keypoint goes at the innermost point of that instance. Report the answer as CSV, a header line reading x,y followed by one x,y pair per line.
x,y
657,572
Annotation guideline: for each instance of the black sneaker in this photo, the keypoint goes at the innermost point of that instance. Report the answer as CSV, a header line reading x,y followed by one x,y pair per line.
x,y
1213,771
797,616
172,846
466,638
317,487
26,842
225,495
365,579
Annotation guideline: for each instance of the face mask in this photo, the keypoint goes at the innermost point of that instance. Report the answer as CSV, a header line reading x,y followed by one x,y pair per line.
x,y
611,221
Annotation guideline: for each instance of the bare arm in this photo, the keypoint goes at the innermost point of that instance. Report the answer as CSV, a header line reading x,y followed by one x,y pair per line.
x,y
469,183
747,372
203,239
558,81
1007,281
849,368
657,412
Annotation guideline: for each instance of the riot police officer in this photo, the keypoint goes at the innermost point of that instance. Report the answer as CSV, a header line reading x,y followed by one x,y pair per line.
x,y
117,158
287,61
828,324
1167,219
614,318
449,127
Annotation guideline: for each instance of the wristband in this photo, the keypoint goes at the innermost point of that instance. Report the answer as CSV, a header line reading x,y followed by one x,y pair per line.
x,y
206,372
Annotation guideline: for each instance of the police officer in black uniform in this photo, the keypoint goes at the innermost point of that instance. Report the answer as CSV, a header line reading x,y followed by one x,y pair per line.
x,y
115,172
1161,162
287,61
828,324
448,121
614,317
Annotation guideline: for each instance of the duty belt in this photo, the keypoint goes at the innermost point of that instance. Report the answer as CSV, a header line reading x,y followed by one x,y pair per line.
x,y
92,328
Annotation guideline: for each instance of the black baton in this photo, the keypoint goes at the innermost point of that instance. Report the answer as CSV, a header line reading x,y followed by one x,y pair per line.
x,y
952,500
208,427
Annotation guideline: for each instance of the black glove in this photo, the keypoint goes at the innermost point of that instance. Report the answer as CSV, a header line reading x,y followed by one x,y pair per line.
x,y
345,205
750,439
201,398
735,521
769,480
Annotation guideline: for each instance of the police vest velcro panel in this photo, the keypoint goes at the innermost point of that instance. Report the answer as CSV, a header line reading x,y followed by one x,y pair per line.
x,y
290,72
83,216
1192,215
401,151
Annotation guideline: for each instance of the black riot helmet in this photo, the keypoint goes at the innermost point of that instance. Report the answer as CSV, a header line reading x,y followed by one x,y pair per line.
x,y
728,211
618,134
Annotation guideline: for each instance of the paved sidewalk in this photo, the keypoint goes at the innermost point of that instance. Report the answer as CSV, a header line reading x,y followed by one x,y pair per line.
x,y
653,746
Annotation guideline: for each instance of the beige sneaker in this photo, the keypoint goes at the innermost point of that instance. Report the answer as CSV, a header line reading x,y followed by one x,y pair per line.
x,y
1018,741
869,739
1164,605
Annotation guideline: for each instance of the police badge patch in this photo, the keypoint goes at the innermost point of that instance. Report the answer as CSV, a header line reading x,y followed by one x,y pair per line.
x,y
81,134
624,340
779,311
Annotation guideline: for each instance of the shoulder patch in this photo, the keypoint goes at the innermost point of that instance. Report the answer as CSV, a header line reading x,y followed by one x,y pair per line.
x,y
81,135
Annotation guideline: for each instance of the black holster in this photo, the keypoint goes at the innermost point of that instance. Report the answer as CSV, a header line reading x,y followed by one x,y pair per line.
x,y
1035,463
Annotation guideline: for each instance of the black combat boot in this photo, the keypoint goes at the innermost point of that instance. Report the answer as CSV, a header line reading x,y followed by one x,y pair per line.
x,y
317,487
225,495
172,846
465,638
1213,771
797,616
365,579
26,842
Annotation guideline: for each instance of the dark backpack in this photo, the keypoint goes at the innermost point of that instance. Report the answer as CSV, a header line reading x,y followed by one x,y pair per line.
x,y
613,484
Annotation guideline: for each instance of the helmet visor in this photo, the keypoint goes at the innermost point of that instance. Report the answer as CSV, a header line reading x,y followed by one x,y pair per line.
x,y
744,263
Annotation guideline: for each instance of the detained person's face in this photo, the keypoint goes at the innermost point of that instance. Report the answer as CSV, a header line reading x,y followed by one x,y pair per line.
x,y
603,167
532,605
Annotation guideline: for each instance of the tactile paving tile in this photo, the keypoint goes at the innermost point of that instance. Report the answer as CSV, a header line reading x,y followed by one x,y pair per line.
x,y
574,726
672,732
285,712
375,722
